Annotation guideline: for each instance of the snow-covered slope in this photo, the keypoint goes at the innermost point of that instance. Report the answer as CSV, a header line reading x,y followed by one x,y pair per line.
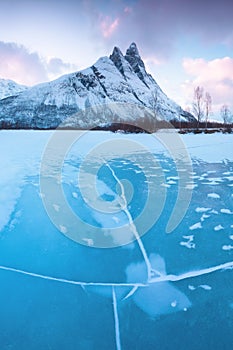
x,y
115,88
10,88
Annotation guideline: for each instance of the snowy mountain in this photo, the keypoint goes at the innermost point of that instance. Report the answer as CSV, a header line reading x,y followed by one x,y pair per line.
x,y
114,89
9,88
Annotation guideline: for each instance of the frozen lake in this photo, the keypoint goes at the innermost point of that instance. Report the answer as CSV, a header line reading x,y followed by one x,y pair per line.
x,y
114,241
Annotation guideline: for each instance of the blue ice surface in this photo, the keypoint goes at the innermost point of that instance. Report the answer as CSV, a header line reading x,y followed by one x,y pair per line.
x,y
37,313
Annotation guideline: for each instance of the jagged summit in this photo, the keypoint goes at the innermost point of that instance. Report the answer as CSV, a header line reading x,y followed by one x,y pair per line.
x,y
116,52
92,93
137,64
121,63
133,51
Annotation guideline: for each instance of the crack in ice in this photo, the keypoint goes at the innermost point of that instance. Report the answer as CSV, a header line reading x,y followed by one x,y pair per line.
x,y
63,280
116,319
192,274
131,292
150,271
161,278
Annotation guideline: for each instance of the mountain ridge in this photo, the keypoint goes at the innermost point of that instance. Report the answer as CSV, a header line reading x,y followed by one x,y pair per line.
x,y
9,87
114,89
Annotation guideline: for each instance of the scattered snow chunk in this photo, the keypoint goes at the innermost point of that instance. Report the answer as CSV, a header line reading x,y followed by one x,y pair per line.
x,y
171,182
75,194
165,185
218,228
230,178
212,183
227,247
190,237
231,237
195,226
191,186
214,211
213,195
215,179
205,286
189,244
226,211
204,216
174,303
202,210
191,287
173,178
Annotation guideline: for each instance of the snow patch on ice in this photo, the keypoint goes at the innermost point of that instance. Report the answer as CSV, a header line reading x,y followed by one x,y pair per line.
x,y
218,228
196,226
189,243
226,211
204,216
213,195
227,247
202,210
205,286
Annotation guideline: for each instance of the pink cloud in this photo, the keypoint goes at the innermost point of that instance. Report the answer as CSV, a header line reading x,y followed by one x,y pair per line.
x,y
215,76
28,68
18,64
108,26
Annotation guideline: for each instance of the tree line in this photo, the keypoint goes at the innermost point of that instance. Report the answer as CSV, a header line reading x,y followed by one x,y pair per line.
x,y
202,108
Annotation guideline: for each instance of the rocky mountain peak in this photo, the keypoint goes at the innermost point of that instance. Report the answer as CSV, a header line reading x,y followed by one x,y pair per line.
x,y
133,57
118,59
133,51
116,52
117,79
116,56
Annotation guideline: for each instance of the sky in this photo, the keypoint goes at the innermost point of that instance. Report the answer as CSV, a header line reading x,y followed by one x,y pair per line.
x,y
184,44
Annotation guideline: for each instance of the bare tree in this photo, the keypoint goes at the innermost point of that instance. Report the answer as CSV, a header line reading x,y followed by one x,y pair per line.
x,y
208,105
226,115
198,104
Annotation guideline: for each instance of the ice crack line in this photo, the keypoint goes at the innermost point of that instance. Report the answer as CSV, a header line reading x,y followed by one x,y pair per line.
x,y
150,271
116,318
164,278
63,280
192,274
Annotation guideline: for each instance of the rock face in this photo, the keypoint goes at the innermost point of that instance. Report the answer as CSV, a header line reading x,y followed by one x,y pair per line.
x,y
114,89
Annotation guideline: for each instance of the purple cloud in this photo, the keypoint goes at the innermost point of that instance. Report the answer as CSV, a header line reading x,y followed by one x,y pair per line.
x,y
157,25
25,67
17,63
